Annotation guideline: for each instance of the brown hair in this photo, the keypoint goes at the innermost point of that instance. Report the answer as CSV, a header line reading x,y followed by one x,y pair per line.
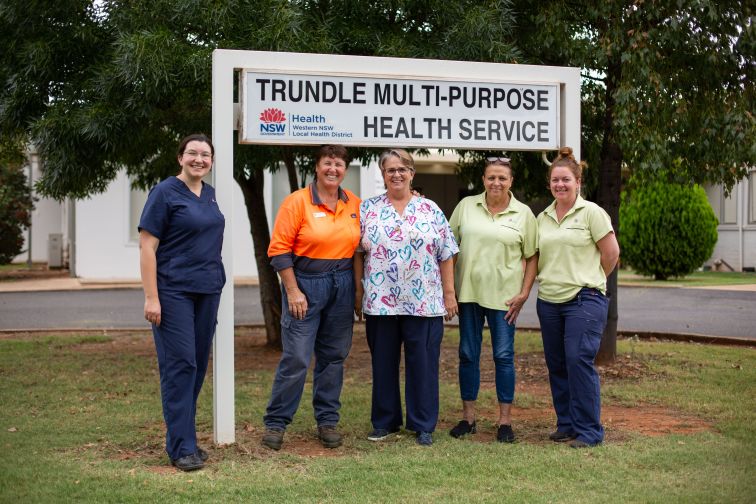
x,y
499,162
195,137
334,151
403,155
567,160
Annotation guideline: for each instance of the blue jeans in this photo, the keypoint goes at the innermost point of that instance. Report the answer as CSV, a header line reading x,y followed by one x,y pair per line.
x,y
571,334
325,331
471,318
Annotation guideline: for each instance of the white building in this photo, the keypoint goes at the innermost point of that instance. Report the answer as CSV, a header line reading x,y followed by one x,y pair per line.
x,y
736,246
99,235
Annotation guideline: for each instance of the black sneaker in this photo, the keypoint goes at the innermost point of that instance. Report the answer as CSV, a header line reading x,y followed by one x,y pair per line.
x,y
505,434
329,436
188,463
462,428
273,438
561,437
424,438
381,434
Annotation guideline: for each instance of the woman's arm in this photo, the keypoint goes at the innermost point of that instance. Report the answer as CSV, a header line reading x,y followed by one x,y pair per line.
x,y
515,304
148,245
447,281
610,251
359,290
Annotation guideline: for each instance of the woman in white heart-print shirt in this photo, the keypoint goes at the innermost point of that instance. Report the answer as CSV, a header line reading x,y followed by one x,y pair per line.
x,y
406,289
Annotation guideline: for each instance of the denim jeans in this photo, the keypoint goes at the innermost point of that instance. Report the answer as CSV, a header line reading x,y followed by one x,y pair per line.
x,y
325,331
471,317
571,334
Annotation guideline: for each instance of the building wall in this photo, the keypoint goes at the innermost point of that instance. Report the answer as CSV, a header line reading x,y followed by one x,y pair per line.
x,y
736,245
107,245
48,217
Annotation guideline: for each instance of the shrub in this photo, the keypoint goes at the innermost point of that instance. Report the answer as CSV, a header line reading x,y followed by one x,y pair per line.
x,y
16,205
666,229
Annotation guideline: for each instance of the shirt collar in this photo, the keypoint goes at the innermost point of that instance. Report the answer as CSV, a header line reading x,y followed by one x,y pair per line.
x,y
481,200
551,209
315,197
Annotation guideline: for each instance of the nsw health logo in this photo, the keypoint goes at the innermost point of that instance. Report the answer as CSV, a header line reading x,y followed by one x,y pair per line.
x,y
272,122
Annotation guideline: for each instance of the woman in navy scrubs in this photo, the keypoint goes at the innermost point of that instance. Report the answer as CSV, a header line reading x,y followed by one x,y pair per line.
x,y
180,239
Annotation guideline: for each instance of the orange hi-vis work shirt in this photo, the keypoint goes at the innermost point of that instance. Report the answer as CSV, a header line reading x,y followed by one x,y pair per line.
x,y
310,237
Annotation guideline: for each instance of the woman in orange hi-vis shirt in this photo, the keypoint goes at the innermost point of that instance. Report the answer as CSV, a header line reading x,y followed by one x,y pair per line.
x,y
314,238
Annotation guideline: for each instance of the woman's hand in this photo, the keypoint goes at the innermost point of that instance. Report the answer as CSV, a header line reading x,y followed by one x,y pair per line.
x,y
515,305
450,303
152,310
297,303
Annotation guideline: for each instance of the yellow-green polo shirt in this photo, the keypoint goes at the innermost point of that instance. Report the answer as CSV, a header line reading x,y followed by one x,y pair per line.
x,y
489,267
568,256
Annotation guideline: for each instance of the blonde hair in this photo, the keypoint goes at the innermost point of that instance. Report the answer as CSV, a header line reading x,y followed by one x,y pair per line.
x,y
567,160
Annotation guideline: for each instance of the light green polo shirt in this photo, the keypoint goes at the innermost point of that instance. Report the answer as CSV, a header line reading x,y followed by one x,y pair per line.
x,y
568,256
489,267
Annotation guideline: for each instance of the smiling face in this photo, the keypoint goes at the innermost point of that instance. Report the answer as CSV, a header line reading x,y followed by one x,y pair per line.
x,y
497,179
196,160
330,172
563,184
396,176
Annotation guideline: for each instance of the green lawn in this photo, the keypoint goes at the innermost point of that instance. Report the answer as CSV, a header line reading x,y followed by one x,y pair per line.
x,y
81,422
696,279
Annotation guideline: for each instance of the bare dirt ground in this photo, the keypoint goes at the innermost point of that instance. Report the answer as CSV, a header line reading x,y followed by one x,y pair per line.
x,y
532,421
38,271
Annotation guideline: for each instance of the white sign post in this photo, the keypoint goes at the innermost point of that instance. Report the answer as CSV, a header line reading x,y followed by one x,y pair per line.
x,y
314,99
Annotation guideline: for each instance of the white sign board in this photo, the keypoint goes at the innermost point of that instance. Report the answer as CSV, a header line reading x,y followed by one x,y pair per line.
x,y
294,108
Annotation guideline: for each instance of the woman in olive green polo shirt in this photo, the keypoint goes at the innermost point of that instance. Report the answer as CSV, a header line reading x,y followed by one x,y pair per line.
x,y
577,251
494,272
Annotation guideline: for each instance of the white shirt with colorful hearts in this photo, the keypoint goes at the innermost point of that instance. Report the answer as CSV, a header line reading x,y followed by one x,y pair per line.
x,y
402,256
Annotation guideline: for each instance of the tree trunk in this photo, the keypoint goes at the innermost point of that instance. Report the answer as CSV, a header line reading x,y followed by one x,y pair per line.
x,y
270,289
291,168
610,180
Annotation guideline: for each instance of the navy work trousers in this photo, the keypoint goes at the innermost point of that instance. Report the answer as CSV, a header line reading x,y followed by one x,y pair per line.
x,y
183,342
326,331
571,334
422,349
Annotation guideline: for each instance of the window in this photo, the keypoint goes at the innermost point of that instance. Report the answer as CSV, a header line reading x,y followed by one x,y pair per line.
x,y
725,208
137,199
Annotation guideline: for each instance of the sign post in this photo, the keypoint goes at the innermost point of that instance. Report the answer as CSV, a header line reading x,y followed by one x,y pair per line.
x,y
314,99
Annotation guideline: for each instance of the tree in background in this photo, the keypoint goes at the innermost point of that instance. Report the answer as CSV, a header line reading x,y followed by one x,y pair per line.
x,y
16,201
664,84
101,87
668,230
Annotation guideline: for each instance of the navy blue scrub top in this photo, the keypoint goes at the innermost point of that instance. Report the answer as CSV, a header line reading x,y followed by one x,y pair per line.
x,y
190,230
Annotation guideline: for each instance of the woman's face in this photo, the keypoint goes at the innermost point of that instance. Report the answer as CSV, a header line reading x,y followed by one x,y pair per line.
x,y
330,172
497,179
396,176
196,160
563,184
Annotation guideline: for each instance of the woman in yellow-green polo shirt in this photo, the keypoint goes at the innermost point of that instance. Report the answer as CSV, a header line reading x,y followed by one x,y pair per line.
x,y
494,272
577,251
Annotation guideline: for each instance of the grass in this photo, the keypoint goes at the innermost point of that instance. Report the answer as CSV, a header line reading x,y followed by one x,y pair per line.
x,y
81,422
695,279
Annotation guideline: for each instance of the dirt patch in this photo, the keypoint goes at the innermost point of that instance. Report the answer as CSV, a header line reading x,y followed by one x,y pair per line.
x,y
531,424
38,271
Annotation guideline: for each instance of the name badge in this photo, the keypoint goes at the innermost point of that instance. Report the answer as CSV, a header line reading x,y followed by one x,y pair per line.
x,y
318,215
